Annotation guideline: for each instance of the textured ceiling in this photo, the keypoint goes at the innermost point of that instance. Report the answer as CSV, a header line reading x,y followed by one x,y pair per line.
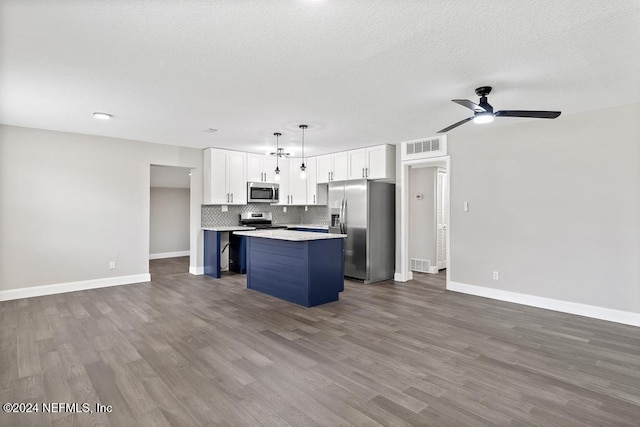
x,y
359,72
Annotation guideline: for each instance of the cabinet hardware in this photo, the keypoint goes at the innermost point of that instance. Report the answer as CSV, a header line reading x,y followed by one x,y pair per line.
x,y
314,199
231,197
363,172
366,172
227,197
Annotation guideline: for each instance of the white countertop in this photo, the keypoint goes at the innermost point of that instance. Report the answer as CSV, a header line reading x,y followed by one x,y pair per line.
x,y
229,228
291,235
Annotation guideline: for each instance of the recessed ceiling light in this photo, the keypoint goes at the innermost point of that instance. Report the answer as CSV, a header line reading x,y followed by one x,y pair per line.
x,y
102,116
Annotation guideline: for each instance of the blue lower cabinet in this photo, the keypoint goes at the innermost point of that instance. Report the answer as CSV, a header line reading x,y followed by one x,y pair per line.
x,y
238,253
308,273
212,253
212,250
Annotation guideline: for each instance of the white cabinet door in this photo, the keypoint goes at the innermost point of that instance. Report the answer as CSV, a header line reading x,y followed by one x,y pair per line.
x,y
325,168
312,181
340,166
215,177
298,186
255,172
285,191
269,168
357,163
236,177
376,164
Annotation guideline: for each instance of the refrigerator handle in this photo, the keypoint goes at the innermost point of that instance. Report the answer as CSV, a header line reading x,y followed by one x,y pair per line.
x,y
343,217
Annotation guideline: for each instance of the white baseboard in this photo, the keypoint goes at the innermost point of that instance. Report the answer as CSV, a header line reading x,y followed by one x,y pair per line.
x,y
399,277
612,315
168,255
433,270
196,270
59,288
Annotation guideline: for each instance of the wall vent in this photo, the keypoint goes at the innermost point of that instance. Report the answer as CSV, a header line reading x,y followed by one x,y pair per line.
x,y
421,265
423,148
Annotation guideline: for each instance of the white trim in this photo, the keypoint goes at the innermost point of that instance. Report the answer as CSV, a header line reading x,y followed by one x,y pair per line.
x,y
400,277
163,255
59,288
198,271
403,272
433,270
612,315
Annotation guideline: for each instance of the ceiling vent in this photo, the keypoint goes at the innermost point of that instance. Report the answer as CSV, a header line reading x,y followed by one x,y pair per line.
x,y
424,148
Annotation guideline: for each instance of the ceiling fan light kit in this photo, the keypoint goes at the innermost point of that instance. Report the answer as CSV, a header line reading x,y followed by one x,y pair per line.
x,y
483,111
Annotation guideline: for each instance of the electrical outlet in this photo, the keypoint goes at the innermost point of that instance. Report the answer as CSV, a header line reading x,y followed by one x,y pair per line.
x,y
496,275
284,209
224,208
112,265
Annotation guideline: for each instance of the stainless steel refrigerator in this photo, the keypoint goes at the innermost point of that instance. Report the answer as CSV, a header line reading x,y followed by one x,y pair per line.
x,y
365,211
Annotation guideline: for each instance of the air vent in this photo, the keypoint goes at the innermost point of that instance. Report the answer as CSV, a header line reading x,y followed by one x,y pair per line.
x,y
421,148
421,265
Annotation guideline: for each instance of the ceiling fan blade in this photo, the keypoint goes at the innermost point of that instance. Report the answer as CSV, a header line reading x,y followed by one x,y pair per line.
x,y
526,113
470,105
455,125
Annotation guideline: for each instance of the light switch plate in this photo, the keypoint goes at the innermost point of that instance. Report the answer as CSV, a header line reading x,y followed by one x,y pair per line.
x,y
466,206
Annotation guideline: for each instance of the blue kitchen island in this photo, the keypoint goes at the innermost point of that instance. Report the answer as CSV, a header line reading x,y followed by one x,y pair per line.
x,y
302,267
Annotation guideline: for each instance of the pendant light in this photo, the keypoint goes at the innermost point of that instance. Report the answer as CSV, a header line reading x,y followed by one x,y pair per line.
x,y
277,177
303,168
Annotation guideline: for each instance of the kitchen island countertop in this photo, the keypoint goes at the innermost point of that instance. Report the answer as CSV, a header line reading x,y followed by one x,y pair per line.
x,y
229,228
290,235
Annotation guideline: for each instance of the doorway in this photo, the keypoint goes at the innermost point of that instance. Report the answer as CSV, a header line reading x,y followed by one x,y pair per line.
x,y
428,213
439,262
169,220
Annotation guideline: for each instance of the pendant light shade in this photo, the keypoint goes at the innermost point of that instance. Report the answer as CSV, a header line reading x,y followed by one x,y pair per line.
x,y
303,167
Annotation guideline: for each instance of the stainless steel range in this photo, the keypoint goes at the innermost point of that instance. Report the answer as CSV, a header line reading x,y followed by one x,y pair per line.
x,y
258,220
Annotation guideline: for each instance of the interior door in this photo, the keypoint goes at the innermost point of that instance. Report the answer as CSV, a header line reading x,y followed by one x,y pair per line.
x,y
442,209
355,213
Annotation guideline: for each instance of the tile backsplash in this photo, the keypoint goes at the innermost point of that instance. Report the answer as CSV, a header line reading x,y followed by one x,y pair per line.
x,y
212,215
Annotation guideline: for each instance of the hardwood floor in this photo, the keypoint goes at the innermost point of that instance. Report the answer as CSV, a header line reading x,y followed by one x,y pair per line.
x,y
194,351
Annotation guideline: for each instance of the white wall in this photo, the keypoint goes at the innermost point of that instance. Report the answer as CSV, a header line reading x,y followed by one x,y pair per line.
x,y
70,203
554,206
422,238
169,220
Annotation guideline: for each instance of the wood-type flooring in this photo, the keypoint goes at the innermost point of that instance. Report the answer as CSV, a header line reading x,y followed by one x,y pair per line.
x,y
189,350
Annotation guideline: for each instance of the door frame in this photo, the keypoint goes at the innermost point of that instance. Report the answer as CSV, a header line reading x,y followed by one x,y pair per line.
x,y
403,271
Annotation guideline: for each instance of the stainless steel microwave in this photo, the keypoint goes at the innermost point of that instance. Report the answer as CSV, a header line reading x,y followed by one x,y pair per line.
x,y
262,192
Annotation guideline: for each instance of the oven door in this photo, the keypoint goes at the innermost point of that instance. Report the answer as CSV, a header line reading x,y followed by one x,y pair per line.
x,y
259,192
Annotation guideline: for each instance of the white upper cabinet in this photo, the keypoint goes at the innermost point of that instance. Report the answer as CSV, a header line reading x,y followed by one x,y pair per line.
x,y
377,162
225,177
312,181
297,185
357,163
381,162
340,166
284,182
260,168
333,167
324,168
